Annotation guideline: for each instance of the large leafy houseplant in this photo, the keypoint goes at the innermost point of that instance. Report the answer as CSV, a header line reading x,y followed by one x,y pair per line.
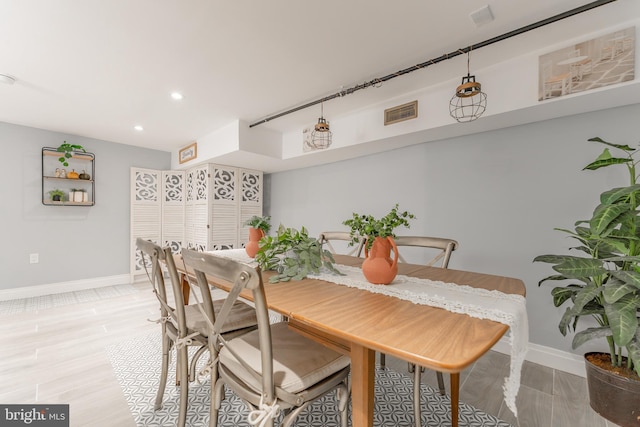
x,y
371,227
604,283
293,255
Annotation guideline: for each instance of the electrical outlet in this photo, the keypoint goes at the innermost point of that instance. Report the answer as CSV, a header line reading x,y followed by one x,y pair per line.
x,y
33,259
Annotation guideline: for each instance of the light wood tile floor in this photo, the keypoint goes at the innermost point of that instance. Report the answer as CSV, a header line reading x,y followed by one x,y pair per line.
x,y
57,355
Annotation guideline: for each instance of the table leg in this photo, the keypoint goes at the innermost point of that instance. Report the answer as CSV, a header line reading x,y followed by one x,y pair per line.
x,y
186,289
455,397
362,382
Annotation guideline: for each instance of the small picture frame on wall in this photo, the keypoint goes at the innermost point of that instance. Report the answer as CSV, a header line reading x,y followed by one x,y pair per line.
x,y
187,153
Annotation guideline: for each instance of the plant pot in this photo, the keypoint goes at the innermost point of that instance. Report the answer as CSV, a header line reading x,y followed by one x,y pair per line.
x,y
55,198
378,267
613,396
255,234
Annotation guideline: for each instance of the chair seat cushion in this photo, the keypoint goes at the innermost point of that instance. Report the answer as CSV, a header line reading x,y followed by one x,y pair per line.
x,y
242,316
298,362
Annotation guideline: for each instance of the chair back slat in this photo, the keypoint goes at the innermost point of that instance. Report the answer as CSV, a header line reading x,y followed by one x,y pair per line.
x,y
326,237
241,276
157,257
445,247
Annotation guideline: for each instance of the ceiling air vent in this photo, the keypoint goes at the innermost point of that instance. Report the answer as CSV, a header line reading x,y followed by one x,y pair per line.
x,y
401,113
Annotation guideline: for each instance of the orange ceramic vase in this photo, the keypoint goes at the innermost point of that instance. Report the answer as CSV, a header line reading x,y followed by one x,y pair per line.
x,y
378,267
255,234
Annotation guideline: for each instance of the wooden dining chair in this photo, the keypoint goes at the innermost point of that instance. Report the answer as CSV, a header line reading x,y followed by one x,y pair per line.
x,y
440,253
183,325
327,236
273,369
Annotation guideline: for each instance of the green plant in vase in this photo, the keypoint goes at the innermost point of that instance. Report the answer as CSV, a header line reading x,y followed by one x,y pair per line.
x,y
378,267
260,227
371,227
259,222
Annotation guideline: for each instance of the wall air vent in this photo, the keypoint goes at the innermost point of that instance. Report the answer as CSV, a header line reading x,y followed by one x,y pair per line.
x,y
401,113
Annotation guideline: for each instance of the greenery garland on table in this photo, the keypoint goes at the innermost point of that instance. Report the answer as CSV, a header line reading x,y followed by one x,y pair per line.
x,y
293,255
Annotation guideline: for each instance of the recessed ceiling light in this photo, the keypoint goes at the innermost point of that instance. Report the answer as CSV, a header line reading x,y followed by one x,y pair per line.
x,y
138,128
7,79
177,96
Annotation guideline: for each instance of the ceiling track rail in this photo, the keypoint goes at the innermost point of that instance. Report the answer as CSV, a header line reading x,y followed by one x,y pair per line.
x,y
378,81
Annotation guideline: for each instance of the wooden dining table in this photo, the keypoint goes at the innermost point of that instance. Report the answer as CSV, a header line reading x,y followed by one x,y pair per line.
x,y
360,323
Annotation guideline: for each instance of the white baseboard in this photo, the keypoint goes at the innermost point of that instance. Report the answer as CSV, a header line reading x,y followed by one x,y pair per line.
x,y
549,357
61,287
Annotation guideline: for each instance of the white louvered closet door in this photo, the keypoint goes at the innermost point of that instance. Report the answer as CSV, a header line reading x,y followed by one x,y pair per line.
x,y
196,215
250,201
145,214
173,210
224,207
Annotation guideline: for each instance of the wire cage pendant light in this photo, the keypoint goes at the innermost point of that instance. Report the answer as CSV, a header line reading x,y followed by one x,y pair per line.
x,y
469,102
321,135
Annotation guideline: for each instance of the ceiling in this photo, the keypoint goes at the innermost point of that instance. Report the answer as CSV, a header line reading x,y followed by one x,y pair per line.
x,y
97,68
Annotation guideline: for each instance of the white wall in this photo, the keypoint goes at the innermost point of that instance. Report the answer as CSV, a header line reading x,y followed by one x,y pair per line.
x,y
499,193
74,243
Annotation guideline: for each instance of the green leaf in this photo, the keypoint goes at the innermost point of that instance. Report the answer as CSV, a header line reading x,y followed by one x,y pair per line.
x,y
624,147
631,278
562,294
565,320
605,159
584,296
604,163
633,349
590,334
552,278
616,194
605,215
580,268
614,290
553,259
622,319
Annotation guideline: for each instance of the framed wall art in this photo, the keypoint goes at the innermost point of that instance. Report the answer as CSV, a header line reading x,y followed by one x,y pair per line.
x,y
188,153
603,61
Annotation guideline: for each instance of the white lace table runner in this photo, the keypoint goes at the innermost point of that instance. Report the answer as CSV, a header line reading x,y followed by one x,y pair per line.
x,y
236,255
508,309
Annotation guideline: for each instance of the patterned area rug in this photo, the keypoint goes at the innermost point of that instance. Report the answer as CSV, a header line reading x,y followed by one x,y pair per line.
x,y
136,363
23,305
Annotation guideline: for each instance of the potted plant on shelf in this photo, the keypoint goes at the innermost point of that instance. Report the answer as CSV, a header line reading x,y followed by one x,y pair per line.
x,y
378,267
293,255
259,227
56,195
604,283
68,150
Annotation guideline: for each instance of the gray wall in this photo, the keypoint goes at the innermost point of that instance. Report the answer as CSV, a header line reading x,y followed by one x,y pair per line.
x,y
73,242
499,193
